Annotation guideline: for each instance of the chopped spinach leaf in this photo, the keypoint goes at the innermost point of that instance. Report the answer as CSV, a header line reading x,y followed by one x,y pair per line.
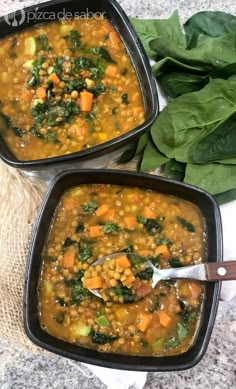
x,y
103,53
99,338
110,227
36,133
114,111
152,225
78,294
136,259
61,302
171,343
42,43
143,343
123,291
35,78
85,251
186,224
145,274
89,207
76,279
175,262
182,331
60,317
79,228
164,241
128,249
125,98
17,131
73,40
124,72
68,242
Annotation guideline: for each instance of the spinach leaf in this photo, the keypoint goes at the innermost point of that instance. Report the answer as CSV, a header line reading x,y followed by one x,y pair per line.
x,y
78,294
208,23
42,43
138,146
170,343
152,225
89,207
213,177
68,242
191,117
123,291
145,274
136,260
218,144
179,83
125,98
85,251
99,338
35,78
149,29
110,227
143,343
60,317
186,224
103,53
73,40
79,228
152,157
165,241
128,249
175,170
76,83
182,331
75,280
61,302
175,262
225,197
17,131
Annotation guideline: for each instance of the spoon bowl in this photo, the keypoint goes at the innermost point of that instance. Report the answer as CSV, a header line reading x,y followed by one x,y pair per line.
x,y
211,272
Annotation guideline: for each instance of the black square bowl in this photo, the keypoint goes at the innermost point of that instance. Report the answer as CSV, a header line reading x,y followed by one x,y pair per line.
x,y
211,215
115,14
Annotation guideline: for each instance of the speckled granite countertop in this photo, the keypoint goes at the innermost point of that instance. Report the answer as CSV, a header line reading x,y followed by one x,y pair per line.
x,y
21,370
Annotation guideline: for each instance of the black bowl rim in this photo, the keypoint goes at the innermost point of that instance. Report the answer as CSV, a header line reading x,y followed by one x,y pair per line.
x,y
137,363
116,142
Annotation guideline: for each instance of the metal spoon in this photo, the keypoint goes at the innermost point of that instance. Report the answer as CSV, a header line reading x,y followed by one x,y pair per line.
x,y
210,272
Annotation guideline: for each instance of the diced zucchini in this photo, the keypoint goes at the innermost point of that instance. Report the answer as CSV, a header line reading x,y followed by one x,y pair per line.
x,y
102,321
29,64
30,46
79,329
76,192
90,83
157,345
66,28
48,287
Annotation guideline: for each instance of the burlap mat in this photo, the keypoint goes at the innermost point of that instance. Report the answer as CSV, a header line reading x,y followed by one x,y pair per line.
x,y
20,198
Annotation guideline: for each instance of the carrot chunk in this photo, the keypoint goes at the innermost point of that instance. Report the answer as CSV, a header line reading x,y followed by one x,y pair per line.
x,y
41,93
93,283
165,319
163,251
54,78
148,213
195,289
69,259
130,222
102,210
129,280
86,101
95,231
123,262
143,321
27,96
145,253
111,71
109,215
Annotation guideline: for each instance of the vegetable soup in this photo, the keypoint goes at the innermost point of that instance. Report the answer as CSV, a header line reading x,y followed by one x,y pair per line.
x,y
66,86
93,221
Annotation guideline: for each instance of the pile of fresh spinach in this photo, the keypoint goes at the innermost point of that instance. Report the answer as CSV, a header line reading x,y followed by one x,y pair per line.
x,y
194,137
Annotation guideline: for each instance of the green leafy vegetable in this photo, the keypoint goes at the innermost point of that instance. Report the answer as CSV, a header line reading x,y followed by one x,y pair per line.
x,y
61,302
79,228
136,260
99,338
186,224
152,225
85,251
170,343
102,321
75,280
110,227
60,317
166,242
175,262
68,242
182,331
145,274
103,53
125,98
78,294
123,291
73,40
152,158
42,43
90,207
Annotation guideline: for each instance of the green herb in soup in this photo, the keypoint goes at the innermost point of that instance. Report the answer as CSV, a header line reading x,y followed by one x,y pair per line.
x,y
64,89
93,221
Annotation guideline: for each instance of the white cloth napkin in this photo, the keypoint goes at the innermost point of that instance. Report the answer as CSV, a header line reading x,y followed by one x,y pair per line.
x,y
228,214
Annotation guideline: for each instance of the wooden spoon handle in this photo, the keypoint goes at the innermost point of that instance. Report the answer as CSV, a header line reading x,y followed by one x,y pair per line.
x,y
221,271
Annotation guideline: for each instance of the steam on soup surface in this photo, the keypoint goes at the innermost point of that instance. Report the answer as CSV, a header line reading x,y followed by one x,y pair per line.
x,y
92,221
66,86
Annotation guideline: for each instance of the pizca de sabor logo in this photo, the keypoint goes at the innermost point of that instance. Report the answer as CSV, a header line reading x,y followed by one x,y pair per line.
x,y
15,19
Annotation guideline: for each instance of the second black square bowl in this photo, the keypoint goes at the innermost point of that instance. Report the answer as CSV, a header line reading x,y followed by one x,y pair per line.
x,y
211,215
98,155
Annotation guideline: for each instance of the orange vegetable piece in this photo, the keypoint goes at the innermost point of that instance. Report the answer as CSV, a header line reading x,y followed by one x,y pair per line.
x,y
123,262
114,37
54,78
69,259
86,101
130,222
163,251
109,215
93,283
27,96
195,289
129,280
111,71
95,231
143,321
145,253
102,210
165,319
149,213
41,93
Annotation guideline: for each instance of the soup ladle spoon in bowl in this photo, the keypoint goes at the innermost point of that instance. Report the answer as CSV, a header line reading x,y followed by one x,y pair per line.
x,y
210,271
